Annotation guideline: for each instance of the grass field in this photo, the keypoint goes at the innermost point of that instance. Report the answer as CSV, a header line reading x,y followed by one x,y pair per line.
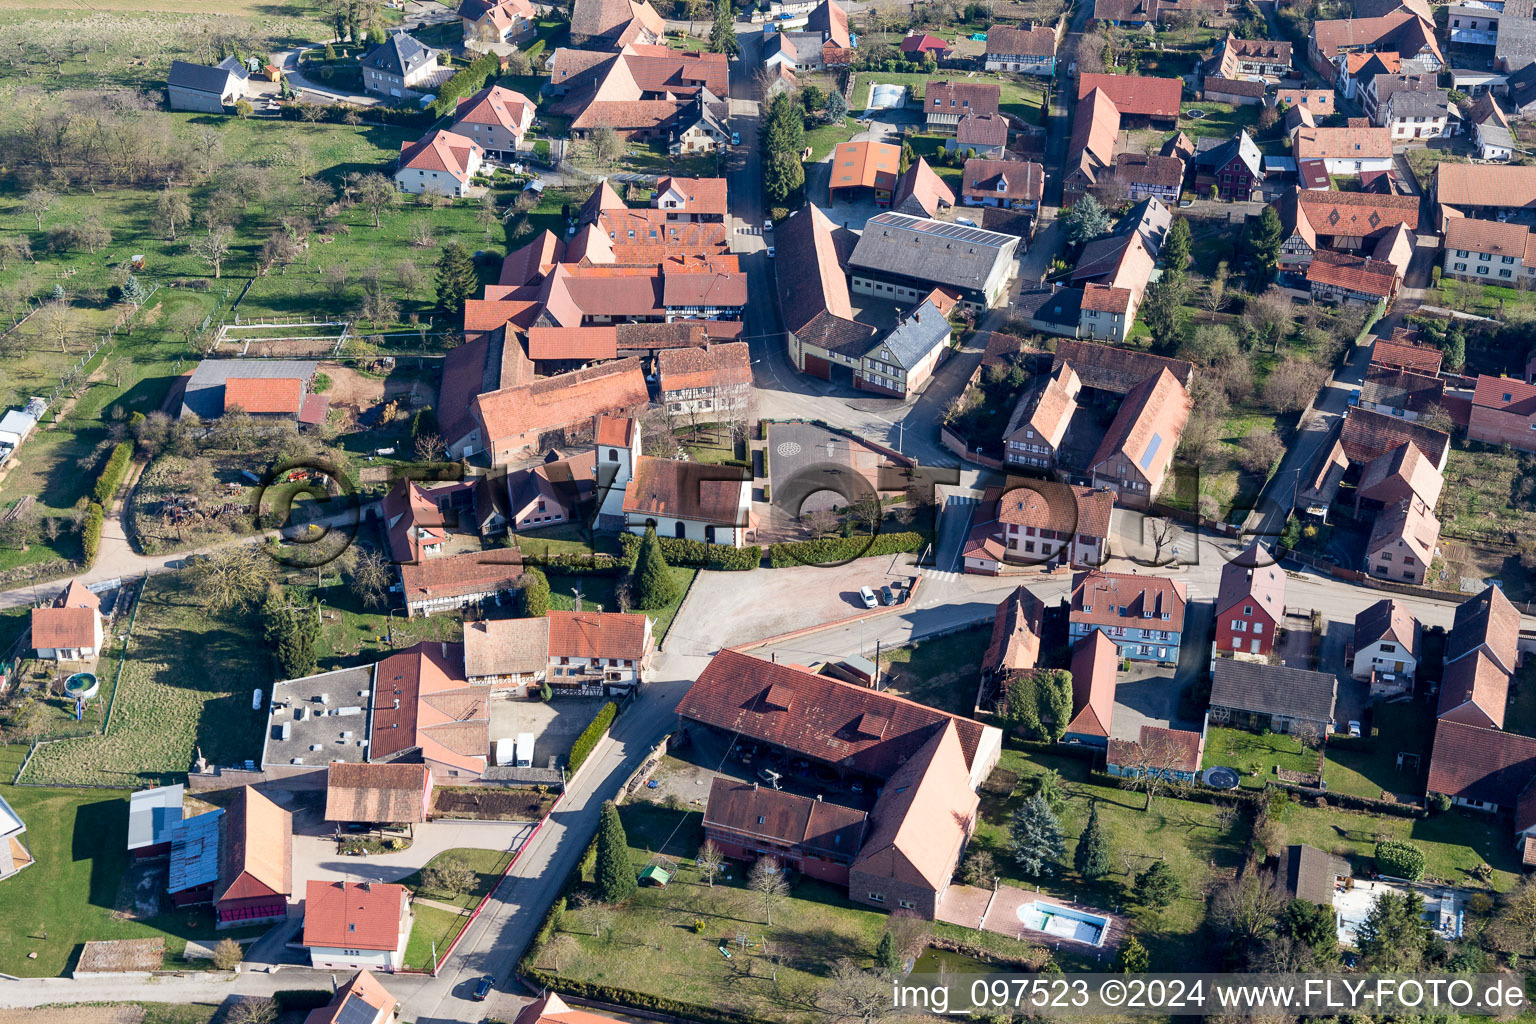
x,y
1454,843
654,945
186,686
1200,843
433,928
1370,769
1256,757
825,138
71,894
1476,504
941,673
487,864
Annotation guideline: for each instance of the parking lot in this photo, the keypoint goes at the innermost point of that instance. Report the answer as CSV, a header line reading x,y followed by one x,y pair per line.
x,y
723,613
555,724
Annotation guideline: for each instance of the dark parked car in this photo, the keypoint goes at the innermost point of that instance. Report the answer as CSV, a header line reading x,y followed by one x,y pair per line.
x,y
886,596
482,989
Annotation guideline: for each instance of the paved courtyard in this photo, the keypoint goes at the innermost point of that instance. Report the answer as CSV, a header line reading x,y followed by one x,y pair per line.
x,y
555,724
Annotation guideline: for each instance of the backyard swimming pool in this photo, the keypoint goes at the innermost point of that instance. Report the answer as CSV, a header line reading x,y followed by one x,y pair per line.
x,y
886,97
1063,922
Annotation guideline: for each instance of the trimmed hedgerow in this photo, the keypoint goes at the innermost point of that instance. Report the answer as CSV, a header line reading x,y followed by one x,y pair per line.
x,y
595,730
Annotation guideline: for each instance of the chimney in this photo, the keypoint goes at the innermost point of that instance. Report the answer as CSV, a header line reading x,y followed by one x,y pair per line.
x,y
397,703
754,787
917,316
818,798
443,647
367,887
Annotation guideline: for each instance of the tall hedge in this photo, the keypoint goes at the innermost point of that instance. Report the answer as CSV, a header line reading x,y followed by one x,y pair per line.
x,y
1400,859
465,83
615,874
90,531
595,730
112,474
839,549
695,553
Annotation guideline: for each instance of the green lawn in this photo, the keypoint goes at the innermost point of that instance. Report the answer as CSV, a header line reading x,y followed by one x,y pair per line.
x,y
565,539
1202,843
1370,769
1221,120
597,594
1476,504
665,941
931,148
1454,843
1256,757
354,633
941,672
72,892
186,686
1489,300
825,138
432,929
487,864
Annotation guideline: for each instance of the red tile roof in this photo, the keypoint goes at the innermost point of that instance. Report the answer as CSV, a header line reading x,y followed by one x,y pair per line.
x,y
376,792
264,395
1481,764
1146,430
1353,274
1349,142
438,711
1367,435
1492,237
1050,505
1176,750
1505,185
704,196
1117,598
1020,180
472,572
599,635
946,97
1104,299
1136,95
865,165
440,151
353,915
1016,626
1487,622
922,185
1505,394
1357,214
551,1009
1418,358
496,105
256,851
1004,40
576,343
728,364
694,491
64,628
1095,659
553,403
617,431
1474,691
816,716
773,815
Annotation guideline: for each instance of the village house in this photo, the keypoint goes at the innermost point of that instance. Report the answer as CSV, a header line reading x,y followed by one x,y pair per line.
x,y
1091,147
817,838
1040,418
69,629
1474,691
1400,474
1491,130
1483,191
552,492
1367,435
1354,149
1402,542
1399,392
359,1000
495,117
1402,32
714,380
1173,754
351,926
511,656
643,92
1141,101
1143,615
1503,412
612,24
1143,176
1030,50
1010,184
1250,602
903,258
1412,107
1342,278
1388,645
1240,92
377,794
1484,770
1138,448
441,162
1038,522
253,877
1015,642
497,21
206,89
1489,251
451,582
918,45
1232,171
946,102
401,68
1265,58
1256,696
1319,102
423,705
1314,220
904,360
823,338
920,192
1095,662
986,135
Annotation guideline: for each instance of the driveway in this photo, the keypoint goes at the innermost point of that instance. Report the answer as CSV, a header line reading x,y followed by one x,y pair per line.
x,y
555,724
315,856
1148,694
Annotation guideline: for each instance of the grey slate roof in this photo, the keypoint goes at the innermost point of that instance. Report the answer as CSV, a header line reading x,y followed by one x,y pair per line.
x,y
917,335
205,389
1307,873
1517,35
931,250
1240,146
1273,689
201,77
1405,103
400,54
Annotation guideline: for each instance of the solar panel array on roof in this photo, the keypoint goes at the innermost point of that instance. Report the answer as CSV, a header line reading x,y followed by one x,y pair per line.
x,y
943,228
1152,447
195,852
355,1011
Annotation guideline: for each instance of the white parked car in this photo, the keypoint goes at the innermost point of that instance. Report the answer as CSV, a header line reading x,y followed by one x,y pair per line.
x,y
770,252
767,225
1354,729
868,597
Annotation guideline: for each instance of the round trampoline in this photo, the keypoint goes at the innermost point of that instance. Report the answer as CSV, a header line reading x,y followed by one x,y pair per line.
x,y
886,96
1194,115
1220,778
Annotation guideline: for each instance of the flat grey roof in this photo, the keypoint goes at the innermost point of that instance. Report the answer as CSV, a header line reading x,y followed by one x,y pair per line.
x,y
205,388
152,814
320,718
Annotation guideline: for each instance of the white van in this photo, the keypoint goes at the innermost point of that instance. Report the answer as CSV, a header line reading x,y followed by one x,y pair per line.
x,y
524,750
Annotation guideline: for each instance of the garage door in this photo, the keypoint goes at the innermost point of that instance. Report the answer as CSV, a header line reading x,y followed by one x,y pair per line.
x,y
818,367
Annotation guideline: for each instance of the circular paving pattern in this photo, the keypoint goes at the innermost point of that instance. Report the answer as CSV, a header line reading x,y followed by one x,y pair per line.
x,y
788,449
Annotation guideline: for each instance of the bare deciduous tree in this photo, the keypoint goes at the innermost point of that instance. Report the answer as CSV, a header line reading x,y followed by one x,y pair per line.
x,y
213,249
709,861
768,884
38,202
376,192
853,995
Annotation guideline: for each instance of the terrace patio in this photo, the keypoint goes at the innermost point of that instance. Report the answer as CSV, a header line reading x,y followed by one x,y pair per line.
x,y
1001,911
